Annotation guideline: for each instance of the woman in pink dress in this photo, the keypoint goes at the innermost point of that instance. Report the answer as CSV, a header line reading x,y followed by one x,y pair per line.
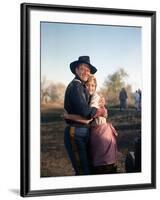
x,y
102,143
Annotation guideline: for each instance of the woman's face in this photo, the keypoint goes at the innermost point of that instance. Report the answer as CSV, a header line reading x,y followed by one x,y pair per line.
x,y
91,86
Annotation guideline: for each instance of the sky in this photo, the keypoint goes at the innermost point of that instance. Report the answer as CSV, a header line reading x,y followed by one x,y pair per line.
x,y
109,47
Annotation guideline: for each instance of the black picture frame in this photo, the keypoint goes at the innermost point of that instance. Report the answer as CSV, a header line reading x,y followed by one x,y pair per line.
x,y
25,187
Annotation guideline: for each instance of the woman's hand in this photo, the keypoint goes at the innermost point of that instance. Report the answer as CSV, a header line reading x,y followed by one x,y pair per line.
x,y
101,112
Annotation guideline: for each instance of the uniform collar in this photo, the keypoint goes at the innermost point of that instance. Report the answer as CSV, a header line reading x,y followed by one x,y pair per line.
x,y
78,79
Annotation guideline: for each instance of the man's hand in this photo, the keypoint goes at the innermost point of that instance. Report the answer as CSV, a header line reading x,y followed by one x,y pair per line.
x,y
65,114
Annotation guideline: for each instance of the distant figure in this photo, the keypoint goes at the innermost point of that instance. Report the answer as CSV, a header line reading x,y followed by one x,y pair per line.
x,y
140,97
137,100
123,99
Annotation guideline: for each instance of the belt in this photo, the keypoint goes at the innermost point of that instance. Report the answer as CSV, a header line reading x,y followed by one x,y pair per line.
x,y
79,125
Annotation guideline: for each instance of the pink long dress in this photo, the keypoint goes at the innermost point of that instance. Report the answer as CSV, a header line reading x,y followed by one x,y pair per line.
x,y
103,146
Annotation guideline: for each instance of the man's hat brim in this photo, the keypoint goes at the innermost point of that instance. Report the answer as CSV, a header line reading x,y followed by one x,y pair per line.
x,y
74,64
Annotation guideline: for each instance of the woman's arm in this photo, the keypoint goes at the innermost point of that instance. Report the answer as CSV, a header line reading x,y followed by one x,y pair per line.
x,y
77,118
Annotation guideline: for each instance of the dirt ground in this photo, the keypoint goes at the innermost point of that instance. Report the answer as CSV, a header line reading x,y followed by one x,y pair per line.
x,y
54,160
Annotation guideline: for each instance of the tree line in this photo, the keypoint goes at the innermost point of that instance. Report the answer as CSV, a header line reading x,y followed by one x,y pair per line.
x,y
52,92
113,83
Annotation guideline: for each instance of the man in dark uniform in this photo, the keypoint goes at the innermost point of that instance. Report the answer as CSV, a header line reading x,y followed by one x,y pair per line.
x,y
77,102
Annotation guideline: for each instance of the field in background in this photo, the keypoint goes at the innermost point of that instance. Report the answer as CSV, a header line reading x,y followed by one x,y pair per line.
x,y
54,160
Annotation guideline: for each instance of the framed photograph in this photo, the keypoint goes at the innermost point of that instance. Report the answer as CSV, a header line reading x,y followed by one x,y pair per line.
x,y
88,99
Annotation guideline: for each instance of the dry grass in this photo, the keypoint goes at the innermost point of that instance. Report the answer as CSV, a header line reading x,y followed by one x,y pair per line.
x,y
54,160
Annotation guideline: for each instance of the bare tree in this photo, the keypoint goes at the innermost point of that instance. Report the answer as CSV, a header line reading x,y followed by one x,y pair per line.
x,y
54,91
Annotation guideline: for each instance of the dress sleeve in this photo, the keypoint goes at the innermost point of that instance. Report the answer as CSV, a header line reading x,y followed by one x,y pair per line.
x,y
95,100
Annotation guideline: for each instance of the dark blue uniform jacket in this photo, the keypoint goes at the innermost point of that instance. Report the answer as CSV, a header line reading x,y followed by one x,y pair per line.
x,y
77,100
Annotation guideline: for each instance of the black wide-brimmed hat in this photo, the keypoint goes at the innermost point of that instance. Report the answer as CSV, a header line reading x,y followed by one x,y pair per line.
x,y
82,59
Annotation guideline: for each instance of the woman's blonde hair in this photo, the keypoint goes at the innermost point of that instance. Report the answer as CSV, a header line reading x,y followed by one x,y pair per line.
x,y
92,78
